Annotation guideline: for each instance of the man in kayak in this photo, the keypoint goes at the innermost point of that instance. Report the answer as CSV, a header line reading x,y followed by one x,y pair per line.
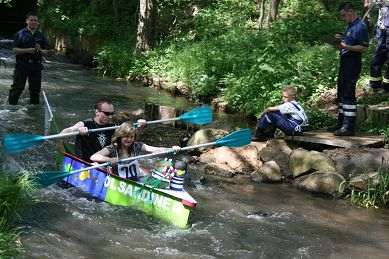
x,y
88,144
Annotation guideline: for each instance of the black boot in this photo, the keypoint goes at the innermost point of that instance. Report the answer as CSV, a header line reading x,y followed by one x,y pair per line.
x,y
348,127
344,131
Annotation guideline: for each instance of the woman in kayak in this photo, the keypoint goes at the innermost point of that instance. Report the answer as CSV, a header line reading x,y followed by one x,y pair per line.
x,y
124,145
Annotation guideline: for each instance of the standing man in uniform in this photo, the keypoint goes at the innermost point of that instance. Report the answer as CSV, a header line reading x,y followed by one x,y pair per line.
x,y
353,43
29,46
381,53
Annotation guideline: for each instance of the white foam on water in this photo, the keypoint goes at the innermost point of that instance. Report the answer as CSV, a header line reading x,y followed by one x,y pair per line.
x,y
281,215
256,217
175,232
303,252
78,215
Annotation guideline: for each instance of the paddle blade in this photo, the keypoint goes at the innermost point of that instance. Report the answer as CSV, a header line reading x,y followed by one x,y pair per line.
x,y
44,179
200,115
18,142
236,139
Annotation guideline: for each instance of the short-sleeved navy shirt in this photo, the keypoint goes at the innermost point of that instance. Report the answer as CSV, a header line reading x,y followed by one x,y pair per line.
x,y
26,39
356,34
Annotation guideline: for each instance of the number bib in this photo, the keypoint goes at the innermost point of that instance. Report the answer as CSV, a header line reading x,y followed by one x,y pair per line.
x,y
129,171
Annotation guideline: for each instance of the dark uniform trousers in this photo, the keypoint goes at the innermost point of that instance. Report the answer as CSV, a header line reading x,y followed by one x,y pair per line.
x,y
269,121
380,57
22,72
350,68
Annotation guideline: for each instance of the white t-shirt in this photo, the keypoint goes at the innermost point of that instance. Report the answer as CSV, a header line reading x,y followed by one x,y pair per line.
x,y
295,110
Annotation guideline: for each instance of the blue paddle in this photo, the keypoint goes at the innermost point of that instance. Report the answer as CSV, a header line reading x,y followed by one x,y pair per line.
x,y
200,116
236,139
18,142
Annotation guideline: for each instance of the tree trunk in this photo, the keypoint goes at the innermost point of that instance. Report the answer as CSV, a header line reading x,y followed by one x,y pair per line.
x,y
273,11
146,25
258,4
115,8
262,13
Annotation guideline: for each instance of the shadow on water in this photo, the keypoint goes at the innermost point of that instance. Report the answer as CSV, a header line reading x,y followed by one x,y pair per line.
x,y
231,221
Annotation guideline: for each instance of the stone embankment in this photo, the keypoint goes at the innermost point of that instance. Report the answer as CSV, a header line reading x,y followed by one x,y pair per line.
x,y
326,172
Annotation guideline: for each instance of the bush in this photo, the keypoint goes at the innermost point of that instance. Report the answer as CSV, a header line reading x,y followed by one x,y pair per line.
x,y
220,51
14,195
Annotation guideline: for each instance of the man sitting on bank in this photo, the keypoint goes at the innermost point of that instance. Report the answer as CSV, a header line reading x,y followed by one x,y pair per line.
x,y
288,117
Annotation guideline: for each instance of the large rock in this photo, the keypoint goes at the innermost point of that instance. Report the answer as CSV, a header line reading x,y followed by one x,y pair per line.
x,y
364,181
321,182
228,161
278,151
184,89
354,161
269,172
303,161
205,136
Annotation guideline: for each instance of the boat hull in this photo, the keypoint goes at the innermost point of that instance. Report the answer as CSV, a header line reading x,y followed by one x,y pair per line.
x,y
171,206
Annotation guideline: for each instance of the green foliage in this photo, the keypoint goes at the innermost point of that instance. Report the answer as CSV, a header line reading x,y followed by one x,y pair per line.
x,y
95,18
225,55
14,195
319,119
372,99
376,195
215,46
385,132
8,242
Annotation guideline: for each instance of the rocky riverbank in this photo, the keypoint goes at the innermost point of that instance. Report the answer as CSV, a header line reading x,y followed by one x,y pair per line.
x,y
326,172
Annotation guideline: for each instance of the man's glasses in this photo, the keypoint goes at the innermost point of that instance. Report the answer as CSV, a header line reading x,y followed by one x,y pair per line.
x,y
108,113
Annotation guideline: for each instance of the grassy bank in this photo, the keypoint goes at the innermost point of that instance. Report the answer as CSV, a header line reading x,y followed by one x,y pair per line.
x,y
14,195
219,49
226,54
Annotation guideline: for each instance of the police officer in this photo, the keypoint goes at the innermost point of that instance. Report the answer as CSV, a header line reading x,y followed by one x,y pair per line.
x,y
352,44
29,46
381,53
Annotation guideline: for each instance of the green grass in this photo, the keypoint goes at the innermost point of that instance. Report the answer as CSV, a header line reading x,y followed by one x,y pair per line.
x,y
376,195
15,193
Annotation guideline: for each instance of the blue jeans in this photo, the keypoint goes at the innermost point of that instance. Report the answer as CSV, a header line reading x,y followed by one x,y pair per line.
x,y
270,121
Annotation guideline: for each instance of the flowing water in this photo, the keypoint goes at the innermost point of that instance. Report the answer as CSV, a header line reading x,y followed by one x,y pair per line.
x,y
231,221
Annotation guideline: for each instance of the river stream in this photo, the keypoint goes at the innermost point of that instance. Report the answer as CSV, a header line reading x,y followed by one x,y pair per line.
x,y
231,221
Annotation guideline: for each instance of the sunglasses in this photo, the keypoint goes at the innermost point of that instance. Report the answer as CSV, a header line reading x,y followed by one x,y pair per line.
x,y
108,113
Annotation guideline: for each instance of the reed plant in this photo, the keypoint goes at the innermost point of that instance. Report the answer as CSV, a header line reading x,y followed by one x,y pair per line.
x,y
15,193
376,195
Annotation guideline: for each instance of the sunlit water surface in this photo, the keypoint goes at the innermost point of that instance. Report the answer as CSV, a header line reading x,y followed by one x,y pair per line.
x,y
231,221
